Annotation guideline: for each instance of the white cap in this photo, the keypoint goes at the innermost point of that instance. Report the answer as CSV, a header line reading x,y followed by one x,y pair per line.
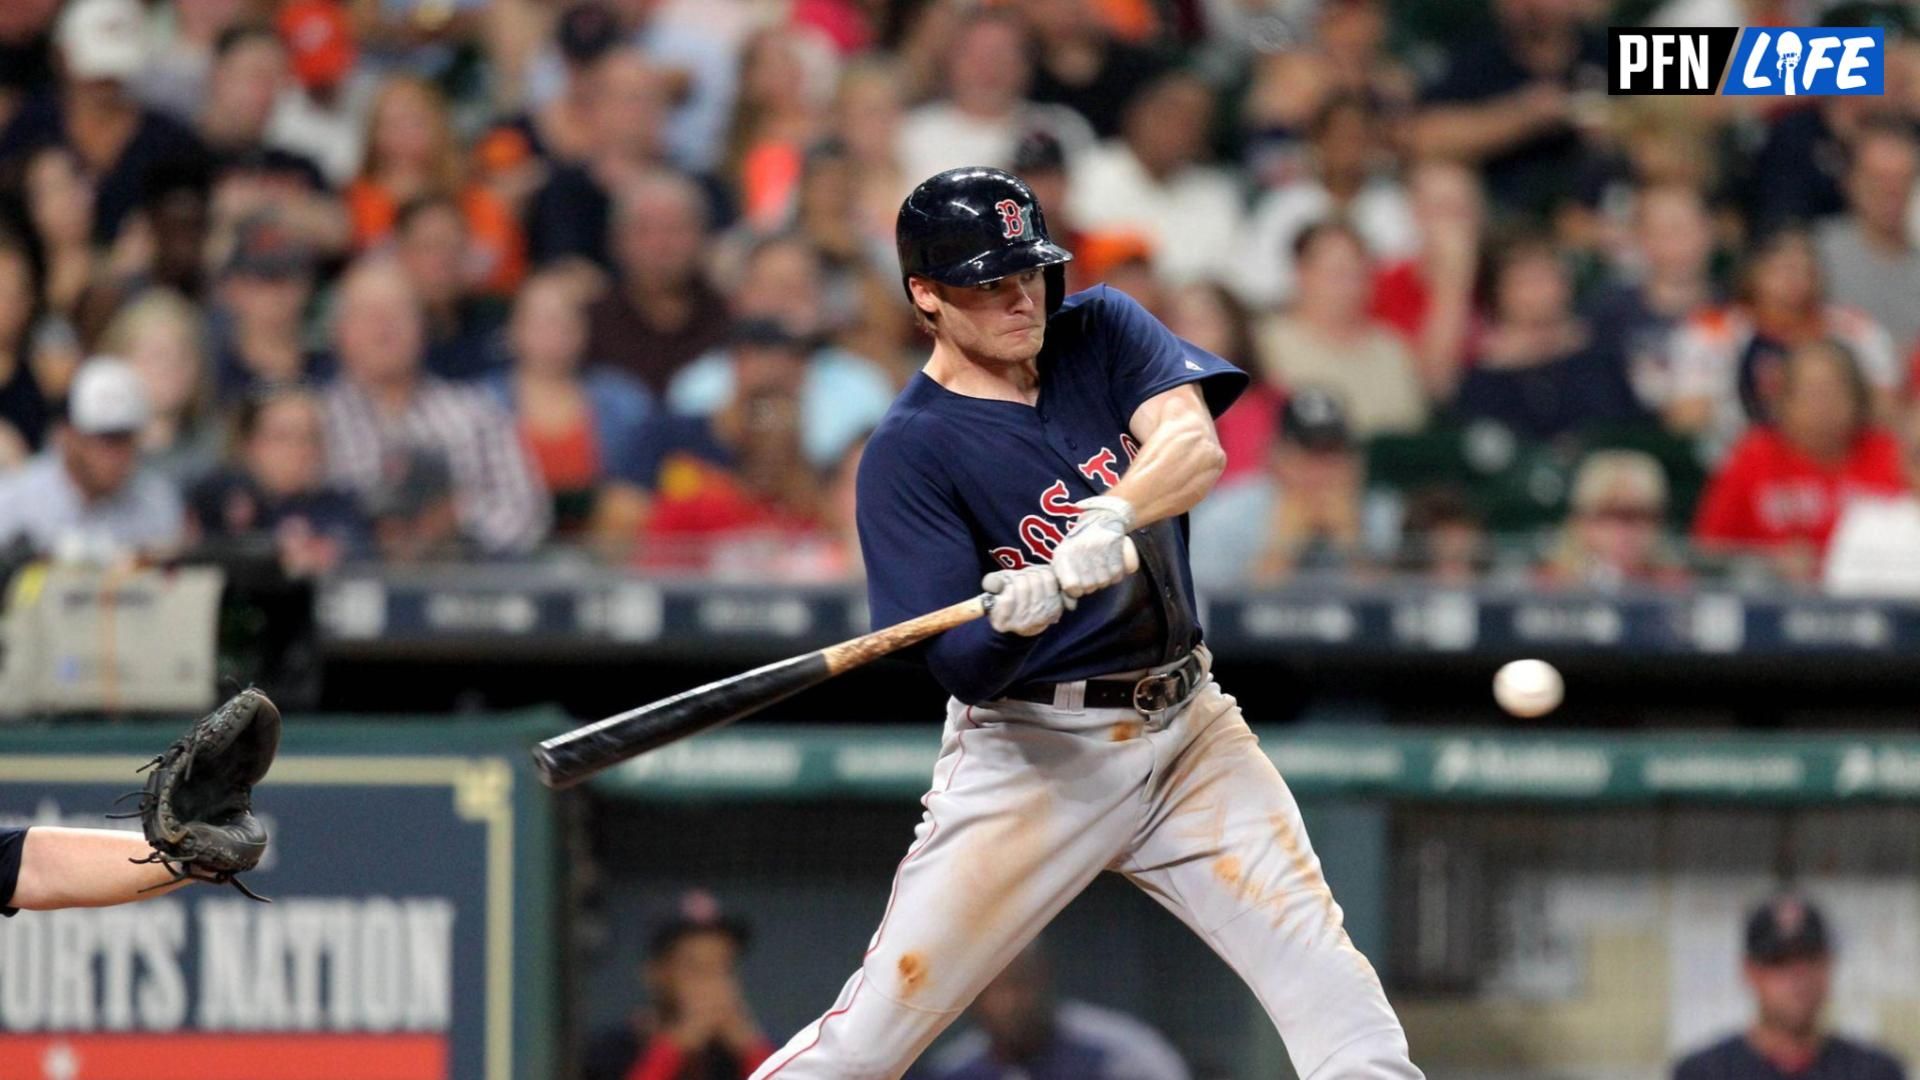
x,y
107,398
103,39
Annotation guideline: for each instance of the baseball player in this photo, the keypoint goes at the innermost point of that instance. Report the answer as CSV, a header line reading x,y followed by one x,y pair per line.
x,y
1045,437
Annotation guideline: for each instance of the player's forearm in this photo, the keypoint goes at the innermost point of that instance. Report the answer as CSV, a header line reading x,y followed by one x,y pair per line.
x,y
1176,467
65,868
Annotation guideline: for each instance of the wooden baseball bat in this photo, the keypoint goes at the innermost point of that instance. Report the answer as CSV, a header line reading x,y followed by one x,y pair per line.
x,y
566,760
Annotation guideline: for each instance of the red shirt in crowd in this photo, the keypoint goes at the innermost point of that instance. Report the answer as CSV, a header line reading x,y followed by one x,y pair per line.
x,y
1401,298
1247,431
662,1059
1769,492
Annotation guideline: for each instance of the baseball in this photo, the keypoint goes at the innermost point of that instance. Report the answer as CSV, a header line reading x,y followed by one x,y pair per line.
x,y
1529,688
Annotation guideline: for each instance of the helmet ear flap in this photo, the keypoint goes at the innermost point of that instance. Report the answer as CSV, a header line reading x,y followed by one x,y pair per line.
x,y
1056,278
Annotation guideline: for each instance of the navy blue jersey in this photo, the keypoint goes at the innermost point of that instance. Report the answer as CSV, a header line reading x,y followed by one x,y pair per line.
x,y
952,488
12,840
1840,1059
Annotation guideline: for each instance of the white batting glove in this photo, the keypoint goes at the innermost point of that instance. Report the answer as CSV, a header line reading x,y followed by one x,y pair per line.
x,y
1025,602
1097,552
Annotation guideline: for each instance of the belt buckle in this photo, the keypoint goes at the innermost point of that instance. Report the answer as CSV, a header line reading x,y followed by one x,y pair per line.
x,y
1155,694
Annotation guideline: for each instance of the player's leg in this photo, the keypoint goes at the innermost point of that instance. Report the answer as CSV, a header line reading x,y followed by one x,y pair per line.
x,y
1021,816
1224,849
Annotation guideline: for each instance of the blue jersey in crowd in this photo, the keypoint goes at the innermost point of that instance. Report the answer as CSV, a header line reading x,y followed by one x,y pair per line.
x,y
1734,1058
953,487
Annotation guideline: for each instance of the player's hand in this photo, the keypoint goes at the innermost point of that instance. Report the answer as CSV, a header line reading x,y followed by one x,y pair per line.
x,y
1026,602
1097,552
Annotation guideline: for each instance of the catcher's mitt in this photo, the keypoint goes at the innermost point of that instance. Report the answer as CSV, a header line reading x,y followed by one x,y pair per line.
x,y
197,806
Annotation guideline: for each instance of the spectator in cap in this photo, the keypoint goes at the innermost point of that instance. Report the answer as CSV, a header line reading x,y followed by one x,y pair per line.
x,y
265,290
583,429
384,414
696,1024
87,497
1789,971
102,45
1327,338
1300,514
1040,160
1616,533
841,395
1024,1032
661,312
324,116
1154,180
416,509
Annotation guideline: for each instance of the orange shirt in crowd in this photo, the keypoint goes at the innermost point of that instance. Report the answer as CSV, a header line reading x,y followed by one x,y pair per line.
x,y
1770,493
568,460
492,231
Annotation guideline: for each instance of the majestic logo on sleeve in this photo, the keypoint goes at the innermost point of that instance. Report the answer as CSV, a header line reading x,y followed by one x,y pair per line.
x,y
1040,533
1013,219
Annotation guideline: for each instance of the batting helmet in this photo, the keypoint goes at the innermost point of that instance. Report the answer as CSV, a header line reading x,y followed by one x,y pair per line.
x,y
974,224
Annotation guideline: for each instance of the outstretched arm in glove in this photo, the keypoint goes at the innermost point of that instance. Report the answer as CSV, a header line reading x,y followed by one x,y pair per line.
x,y
1179,460
68,868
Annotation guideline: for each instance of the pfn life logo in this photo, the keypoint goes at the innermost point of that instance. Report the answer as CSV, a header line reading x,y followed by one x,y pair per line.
x,y
1748,61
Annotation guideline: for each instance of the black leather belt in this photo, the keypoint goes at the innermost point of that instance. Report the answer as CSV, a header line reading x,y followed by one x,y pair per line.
x,y
1147,694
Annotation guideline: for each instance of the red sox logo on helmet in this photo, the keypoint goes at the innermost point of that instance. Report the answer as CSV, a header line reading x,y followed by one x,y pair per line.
x,y
1013,218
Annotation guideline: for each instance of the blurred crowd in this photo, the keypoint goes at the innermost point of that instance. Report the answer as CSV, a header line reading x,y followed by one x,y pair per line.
x,y
423,279
696,1021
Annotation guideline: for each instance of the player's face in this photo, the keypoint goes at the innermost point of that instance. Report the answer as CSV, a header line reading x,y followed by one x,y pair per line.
x,y
998,322
1790,996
